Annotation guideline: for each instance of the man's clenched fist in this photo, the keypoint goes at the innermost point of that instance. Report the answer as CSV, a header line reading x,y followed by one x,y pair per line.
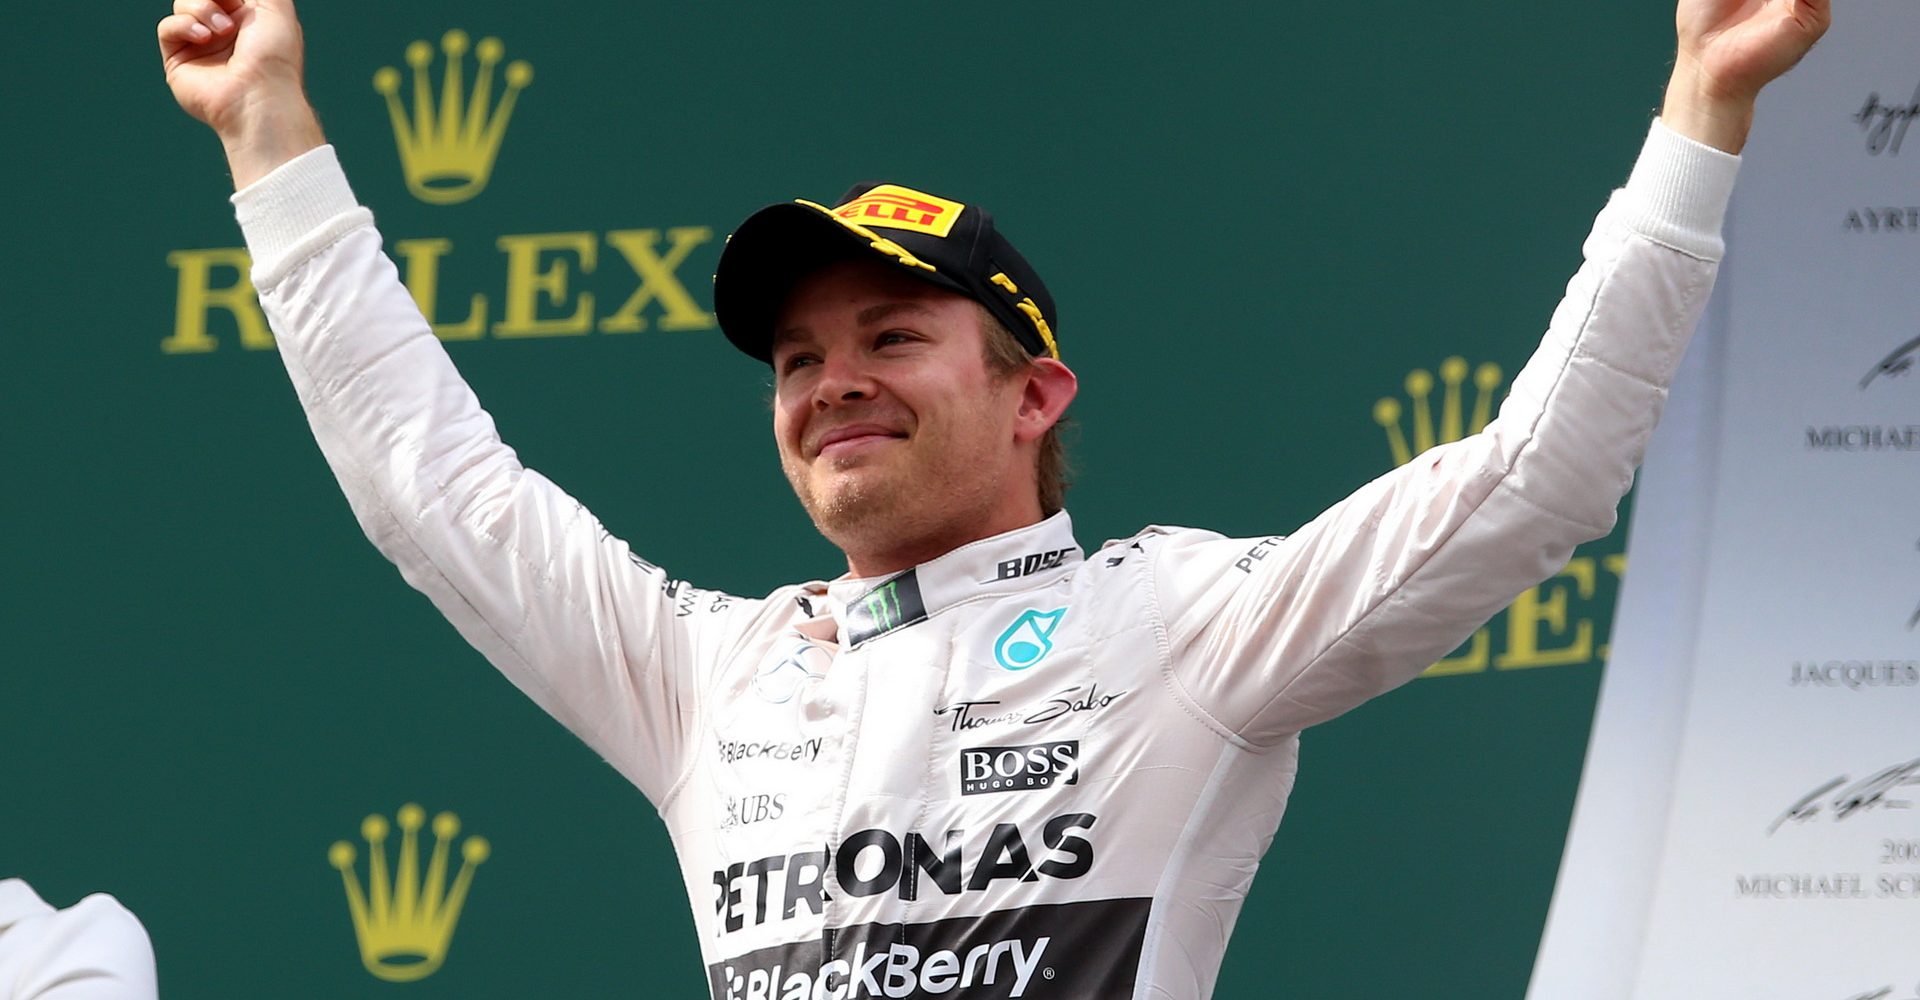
x,y
1729,50
236,65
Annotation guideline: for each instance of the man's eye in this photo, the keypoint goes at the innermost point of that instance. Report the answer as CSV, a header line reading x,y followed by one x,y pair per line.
x,y
796,362
891,337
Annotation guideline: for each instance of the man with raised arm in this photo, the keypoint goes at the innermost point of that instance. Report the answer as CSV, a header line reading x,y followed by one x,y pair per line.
x,y
981,763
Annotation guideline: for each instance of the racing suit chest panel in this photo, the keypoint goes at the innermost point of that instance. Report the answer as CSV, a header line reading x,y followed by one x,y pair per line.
x,y
998,771
1018,769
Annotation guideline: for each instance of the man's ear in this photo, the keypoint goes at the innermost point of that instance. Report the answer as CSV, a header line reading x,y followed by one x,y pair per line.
x,y
1050,386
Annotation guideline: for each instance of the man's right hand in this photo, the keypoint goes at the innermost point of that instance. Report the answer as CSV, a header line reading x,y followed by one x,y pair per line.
x,y
236,65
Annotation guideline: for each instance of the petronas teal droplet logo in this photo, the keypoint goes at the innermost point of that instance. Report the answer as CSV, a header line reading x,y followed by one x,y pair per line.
x,y
1028,640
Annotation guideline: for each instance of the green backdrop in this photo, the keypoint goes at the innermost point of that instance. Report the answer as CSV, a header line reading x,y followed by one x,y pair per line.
x,y
1257,220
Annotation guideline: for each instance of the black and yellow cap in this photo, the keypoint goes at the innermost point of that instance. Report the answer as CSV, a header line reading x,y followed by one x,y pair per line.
x,y
936,239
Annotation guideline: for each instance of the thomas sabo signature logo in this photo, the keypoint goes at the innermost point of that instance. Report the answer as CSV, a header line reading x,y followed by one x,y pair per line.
x,y
1554,624
404,921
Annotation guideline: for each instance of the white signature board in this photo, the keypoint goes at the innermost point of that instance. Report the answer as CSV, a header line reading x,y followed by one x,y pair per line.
x,y
1749,822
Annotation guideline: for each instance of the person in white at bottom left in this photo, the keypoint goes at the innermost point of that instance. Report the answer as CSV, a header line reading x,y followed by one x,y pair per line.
x,y
93,950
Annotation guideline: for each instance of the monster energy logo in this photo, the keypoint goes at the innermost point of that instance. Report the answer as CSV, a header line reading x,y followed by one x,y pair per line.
x,y
883,605
891,605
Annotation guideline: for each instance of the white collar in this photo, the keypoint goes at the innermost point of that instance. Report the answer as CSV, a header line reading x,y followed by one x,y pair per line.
x,y
1015,560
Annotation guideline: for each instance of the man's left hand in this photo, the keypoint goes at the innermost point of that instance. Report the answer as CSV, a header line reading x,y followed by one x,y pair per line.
x,y
1728,50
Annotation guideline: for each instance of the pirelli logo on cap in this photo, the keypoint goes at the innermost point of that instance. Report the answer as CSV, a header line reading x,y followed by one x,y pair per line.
x,y
894,207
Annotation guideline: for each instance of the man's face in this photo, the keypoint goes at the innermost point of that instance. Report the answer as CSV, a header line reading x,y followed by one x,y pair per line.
x,y
890,426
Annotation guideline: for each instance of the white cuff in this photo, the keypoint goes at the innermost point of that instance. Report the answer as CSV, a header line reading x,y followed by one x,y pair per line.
x,y
1678,191
303,205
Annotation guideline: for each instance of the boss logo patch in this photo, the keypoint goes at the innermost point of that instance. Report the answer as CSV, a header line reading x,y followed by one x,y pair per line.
x,y
1019,769
1030,564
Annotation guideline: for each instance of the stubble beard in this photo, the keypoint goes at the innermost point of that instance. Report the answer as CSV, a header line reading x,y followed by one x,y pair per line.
x,y
877,509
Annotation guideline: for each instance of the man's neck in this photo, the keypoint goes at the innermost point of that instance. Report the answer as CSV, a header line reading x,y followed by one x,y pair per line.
x,y
905,554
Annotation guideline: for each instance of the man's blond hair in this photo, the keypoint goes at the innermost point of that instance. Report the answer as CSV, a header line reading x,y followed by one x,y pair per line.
x,y
1005,356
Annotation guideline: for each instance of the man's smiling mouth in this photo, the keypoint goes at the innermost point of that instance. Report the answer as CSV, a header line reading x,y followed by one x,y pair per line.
x,y
852,436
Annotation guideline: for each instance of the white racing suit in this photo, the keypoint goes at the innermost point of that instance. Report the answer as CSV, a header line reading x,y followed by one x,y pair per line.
x,y
1017,770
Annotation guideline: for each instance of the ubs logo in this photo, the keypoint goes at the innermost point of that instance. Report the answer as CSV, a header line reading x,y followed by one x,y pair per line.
x,y
1019,769
746,810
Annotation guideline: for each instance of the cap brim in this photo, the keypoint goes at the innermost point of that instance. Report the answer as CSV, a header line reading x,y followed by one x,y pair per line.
x,y
768,254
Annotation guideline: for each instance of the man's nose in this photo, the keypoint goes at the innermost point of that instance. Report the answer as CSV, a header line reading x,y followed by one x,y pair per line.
x,y
844,378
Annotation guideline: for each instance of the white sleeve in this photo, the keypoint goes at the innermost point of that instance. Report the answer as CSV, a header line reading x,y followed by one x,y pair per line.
x,y
1270,636
598,637
92,950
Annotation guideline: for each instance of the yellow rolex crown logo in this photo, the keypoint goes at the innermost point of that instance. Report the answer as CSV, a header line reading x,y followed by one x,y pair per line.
x,y
404,923
1453,423
447,152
